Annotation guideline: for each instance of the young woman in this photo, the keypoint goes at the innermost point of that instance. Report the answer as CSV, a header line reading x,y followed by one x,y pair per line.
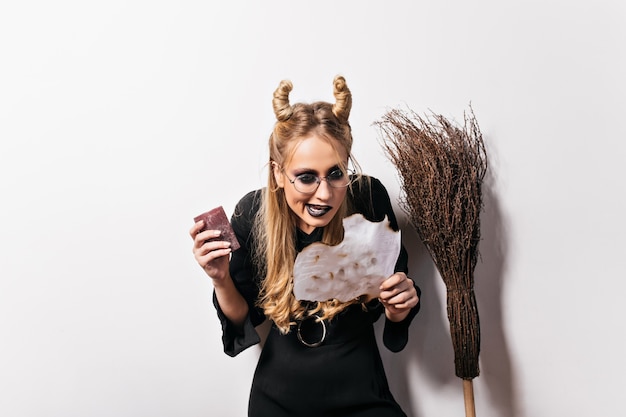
x,y
320,358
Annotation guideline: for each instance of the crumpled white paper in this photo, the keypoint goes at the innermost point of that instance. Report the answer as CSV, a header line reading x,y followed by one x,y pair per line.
x,y
355,267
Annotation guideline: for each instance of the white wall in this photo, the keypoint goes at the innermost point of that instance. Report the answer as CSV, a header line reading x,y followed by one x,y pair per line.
x,y
121,120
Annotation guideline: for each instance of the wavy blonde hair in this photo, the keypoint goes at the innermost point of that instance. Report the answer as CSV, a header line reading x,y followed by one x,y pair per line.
x,y
275,225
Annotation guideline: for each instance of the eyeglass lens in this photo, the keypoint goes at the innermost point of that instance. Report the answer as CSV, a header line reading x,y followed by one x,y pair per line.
x,y
308,183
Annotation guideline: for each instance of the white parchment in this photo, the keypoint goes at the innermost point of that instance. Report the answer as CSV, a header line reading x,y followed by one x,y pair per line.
x,y
357,266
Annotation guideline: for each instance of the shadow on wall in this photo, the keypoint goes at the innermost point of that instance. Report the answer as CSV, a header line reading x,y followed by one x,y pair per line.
x,y
495,358
430,348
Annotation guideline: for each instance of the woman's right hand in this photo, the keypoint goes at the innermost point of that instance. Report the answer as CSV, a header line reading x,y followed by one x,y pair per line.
x,y
212,256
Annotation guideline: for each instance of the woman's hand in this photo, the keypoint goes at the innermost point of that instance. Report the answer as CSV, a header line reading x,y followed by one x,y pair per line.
x,y
211,256
214,258
398,295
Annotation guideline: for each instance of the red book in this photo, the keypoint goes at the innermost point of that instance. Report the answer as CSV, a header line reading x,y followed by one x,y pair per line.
x,y
216,219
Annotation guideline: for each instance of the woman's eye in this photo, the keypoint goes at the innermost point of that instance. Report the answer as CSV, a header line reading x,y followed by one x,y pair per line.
x,y
307,178
335,175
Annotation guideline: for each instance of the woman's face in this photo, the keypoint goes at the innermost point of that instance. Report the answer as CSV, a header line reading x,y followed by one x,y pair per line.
x,y
313,155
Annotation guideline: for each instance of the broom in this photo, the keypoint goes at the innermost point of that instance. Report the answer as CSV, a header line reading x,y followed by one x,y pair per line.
x,y
441,167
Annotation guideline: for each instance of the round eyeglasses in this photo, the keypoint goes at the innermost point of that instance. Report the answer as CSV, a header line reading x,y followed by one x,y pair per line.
x,y
309,183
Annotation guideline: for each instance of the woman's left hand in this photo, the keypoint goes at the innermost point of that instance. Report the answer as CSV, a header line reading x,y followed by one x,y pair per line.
x,y
398,295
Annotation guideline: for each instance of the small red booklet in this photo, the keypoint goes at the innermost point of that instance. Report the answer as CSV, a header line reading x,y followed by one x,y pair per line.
x,y
216,219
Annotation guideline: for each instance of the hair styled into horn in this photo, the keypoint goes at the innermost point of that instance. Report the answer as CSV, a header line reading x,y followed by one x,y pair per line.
x,y
341,109
282,108
343,97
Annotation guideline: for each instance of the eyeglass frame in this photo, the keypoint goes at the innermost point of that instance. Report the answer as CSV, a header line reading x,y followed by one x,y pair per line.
x,y
348,172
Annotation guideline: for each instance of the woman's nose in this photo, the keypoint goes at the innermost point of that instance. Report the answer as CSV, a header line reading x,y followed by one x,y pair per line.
x,y
324,190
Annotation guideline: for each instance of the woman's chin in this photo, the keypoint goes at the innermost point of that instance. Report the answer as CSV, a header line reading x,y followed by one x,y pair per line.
x,y
310,223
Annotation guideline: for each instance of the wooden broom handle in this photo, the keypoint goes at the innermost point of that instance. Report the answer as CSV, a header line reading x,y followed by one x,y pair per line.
x,y
468,396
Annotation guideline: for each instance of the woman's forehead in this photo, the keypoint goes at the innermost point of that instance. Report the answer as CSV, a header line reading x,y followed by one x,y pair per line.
x,y
316,152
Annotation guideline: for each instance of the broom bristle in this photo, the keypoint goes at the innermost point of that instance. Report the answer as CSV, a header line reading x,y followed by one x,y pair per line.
x,y
441,168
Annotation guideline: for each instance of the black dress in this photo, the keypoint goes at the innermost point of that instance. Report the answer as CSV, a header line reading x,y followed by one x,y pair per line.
x,y
344,375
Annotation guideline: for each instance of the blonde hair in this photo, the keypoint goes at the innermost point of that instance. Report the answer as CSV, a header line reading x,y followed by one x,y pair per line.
x,y
275,225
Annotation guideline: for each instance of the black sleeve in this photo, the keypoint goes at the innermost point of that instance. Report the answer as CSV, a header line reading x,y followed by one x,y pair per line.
x,y
245,277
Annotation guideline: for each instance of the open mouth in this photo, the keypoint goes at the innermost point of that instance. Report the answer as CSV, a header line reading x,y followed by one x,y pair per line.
x,y
317,211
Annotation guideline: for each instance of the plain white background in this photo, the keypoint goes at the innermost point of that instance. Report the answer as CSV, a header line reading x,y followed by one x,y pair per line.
x,y
122,120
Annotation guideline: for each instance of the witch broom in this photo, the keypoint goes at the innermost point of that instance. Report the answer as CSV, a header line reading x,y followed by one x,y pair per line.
x,y
441,168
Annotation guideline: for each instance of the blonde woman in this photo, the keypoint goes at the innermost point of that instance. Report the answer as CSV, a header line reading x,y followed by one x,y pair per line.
x,y
320,358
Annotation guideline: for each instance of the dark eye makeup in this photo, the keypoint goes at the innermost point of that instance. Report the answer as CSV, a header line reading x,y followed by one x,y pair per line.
x,y
307,178
335,175
331,171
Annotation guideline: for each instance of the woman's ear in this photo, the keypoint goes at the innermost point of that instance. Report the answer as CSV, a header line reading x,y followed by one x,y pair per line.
x,y
278,175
